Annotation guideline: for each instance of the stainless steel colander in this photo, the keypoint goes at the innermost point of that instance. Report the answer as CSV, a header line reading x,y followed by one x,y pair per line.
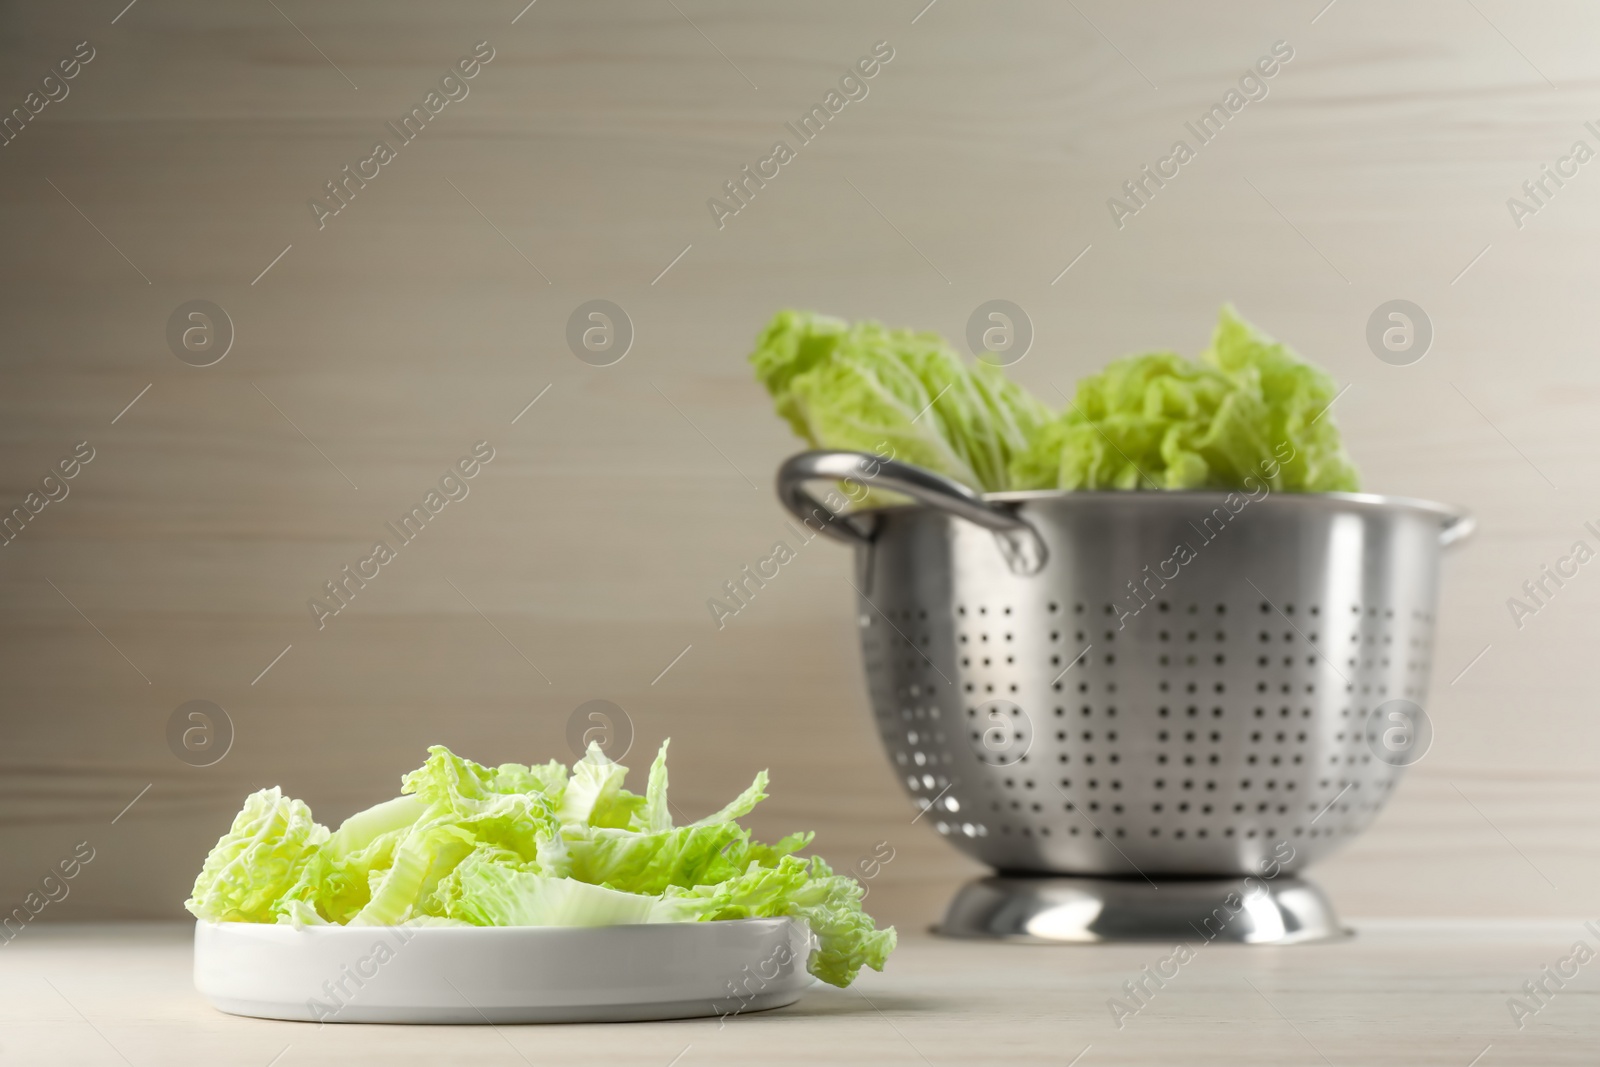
x,y
1151,683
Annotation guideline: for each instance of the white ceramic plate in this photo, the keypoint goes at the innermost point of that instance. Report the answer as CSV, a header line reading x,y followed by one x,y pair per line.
x,y
396,974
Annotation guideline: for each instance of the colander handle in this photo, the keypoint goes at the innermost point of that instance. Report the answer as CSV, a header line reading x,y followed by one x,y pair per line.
x,y
1456,529
1019,542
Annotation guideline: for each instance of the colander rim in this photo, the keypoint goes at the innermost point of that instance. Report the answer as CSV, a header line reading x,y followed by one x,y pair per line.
x,y
1365,499
1376,500
1456,524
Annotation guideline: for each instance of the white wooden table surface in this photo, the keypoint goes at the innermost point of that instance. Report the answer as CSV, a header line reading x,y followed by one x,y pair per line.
x,y
1401,992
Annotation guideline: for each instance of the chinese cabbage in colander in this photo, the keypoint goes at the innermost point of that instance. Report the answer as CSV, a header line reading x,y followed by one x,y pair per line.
x,y
1153,421
537,845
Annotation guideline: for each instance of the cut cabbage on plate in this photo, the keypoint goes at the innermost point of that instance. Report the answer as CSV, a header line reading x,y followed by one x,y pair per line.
x,y
537,845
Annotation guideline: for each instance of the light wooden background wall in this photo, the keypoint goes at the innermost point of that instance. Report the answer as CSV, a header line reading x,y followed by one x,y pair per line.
x,y
432,310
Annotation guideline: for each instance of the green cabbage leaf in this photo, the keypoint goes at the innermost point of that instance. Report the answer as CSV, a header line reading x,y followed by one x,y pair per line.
x,y
1248,414
258,860
898,393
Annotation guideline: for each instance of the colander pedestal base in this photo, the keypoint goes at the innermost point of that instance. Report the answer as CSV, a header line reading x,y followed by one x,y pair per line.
x,y
1061,910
